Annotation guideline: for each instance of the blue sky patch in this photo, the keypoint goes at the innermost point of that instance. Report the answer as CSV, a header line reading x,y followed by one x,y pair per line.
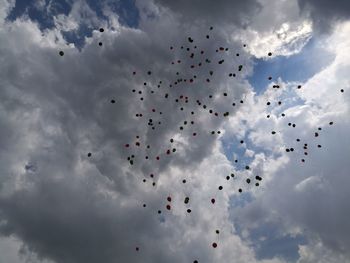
x,y
40,15
299,67
128,13
268,243
44,15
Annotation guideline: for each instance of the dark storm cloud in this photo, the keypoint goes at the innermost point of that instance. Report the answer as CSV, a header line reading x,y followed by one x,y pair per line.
x,y
218,12
324,13
68,221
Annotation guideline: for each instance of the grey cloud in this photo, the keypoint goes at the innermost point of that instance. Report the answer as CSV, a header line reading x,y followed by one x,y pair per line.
x,y
54,110
218,12
67,221
324,13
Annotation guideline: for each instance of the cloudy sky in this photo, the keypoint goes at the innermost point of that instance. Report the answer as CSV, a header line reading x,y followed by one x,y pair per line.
x,y
287,131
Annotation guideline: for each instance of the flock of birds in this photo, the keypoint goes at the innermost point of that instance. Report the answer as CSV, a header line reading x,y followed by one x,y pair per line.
x,y
198,59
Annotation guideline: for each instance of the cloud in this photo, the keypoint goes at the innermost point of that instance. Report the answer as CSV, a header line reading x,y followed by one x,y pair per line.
x,y
289,39
9,250
325,13
278,27
5,7
222,11
317,252
67,207
306,198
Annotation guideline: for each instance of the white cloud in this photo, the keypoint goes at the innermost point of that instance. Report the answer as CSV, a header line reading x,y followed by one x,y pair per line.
x,y
317,252
276,30
310,197
77,209
5,7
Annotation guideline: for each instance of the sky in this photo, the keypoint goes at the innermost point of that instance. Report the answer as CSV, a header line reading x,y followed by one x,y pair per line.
x,y
85,178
